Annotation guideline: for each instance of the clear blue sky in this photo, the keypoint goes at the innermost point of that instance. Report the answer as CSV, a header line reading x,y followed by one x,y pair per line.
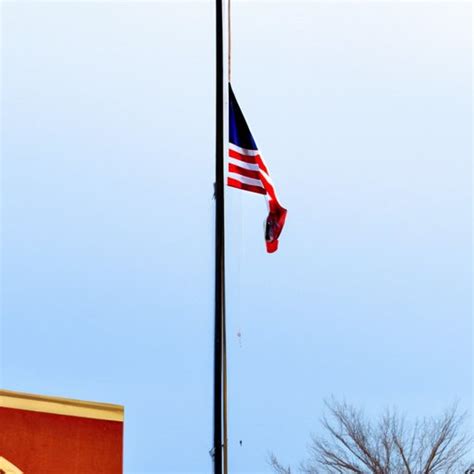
x,y
363,112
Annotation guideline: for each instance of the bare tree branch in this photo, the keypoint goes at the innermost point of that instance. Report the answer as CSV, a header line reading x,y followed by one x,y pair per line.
x,y
277,467
353,444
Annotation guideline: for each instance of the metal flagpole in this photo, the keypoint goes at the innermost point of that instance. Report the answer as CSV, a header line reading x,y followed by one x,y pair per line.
x,y
224,361
219,244
229,40
224,407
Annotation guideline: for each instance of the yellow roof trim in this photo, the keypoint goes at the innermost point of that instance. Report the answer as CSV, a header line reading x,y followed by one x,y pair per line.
x,y
61,406
8,468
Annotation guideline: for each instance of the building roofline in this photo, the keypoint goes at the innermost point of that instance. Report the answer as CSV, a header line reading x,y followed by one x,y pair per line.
x,y
61,406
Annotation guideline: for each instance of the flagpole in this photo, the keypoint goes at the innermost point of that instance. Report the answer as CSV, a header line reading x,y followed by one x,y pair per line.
x,y
219,336
224,359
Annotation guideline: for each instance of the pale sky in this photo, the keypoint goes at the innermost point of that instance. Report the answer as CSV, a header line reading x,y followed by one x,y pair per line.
x,y
363,113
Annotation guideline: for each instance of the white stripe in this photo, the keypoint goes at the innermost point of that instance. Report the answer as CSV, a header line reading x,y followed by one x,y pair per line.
x,y
270,184
242,164
243,151
267,177
245,180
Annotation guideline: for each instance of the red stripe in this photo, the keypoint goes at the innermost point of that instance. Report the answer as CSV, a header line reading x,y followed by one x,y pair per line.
x,y
255,160
246,187
245,158
243,172
268,187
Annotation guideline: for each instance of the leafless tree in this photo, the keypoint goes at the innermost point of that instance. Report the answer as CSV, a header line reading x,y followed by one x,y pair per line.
x,y
388,445
277,467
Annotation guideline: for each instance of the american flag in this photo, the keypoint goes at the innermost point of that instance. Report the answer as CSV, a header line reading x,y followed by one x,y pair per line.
x,y
248,171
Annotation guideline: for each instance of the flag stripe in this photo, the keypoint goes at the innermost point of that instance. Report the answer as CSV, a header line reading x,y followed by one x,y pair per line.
x,y
243,151
268,185
247,187
255,159
243,172
244,179
242,157
241,164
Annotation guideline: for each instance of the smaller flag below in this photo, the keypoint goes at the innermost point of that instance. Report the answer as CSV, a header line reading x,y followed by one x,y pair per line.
x,y
248,171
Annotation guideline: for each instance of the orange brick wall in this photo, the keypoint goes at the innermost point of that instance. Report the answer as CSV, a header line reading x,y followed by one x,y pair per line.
x,y
44,443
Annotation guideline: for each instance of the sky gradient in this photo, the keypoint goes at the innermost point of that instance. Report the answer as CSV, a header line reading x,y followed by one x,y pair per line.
x,y
363,113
